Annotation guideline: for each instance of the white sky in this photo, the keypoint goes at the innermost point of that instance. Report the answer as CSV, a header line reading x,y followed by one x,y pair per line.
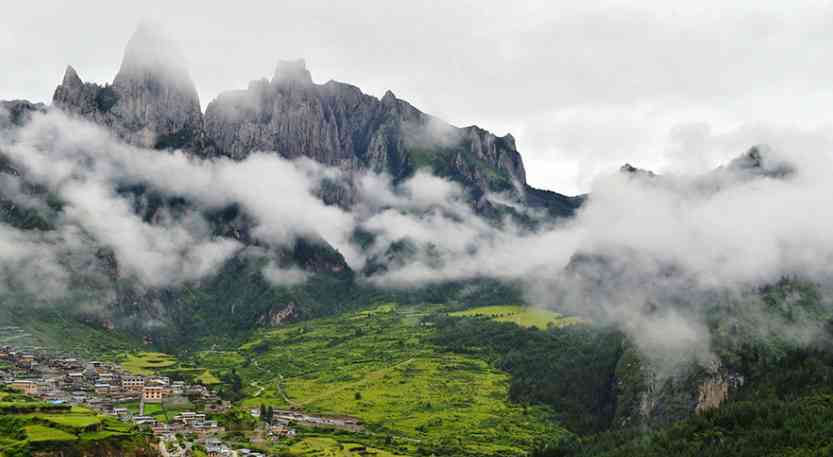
x,y
583,86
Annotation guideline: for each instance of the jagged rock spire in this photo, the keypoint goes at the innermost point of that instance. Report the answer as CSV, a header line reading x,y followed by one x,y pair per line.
x,y
71,78
152,54
152,101
292,71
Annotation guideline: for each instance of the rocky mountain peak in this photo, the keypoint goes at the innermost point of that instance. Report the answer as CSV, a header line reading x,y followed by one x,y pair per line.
x,y
629,169
71,78
389,97
760,160
292,71
152,101
152,55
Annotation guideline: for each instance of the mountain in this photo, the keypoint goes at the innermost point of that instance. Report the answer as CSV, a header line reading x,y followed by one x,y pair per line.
x,y
376,187
153,102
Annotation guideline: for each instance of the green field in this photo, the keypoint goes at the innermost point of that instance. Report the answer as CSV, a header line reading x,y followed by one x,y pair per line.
x,y
161,412
329,447
207,378
379,366
73,420
27,425
40,433
147,363
525,316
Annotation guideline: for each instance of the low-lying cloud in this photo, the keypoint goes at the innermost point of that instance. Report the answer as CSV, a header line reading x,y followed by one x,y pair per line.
x,y
649,253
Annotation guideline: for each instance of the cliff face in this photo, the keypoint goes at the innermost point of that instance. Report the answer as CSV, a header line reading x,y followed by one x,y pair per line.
x,y
646,399
338,125
152,101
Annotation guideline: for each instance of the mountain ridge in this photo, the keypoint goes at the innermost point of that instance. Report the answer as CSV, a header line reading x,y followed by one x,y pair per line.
x,y
154,103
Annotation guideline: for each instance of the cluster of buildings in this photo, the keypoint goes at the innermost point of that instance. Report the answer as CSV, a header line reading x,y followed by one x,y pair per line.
x,y
97,384
107,387
185,422
216,448
282,418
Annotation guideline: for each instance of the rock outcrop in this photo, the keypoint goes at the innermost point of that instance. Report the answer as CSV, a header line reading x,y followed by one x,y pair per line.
x,y
338,125
152,101
18,112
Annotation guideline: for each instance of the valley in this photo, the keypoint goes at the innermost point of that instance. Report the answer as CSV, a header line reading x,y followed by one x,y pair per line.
x,y
292,268
378,365
367,379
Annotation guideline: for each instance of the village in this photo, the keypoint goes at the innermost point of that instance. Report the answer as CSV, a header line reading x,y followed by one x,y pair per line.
x,y
110,389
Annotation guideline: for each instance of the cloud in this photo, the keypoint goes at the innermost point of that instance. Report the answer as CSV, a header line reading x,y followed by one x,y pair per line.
x,y
654,255
284,276
85,166
523,69
651,254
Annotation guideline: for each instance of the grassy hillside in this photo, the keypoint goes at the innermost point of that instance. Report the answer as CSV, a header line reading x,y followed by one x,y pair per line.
x,y
525,316
62,331
379,365
30,427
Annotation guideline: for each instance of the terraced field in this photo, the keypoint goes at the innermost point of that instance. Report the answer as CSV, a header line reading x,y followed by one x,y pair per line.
x,y
378,365
329,447
32,426
146,363
525,316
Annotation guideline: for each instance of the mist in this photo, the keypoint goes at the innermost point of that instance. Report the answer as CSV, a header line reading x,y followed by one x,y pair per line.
x,y
650,254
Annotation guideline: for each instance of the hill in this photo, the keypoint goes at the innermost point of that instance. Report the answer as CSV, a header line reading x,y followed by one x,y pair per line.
x,y
380,366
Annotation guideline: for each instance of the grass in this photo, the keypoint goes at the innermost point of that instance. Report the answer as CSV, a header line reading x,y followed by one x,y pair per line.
x,y
329,447
51,327
147,363
523,316
54,430
380,367
40,433
160,412
207,378
80,421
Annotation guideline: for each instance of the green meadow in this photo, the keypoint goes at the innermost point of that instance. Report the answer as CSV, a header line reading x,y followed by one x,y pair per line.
x,y
378,365
147,363
525,316
329,447
28,426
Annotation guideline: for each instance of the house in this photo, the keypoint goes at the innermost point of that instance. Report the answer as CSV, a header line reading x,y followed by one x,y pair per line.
x,y
133,383
102,389
26,386
178,387
158,381
216,448
162,430
144,420
189,417
153,394
282,431
27,361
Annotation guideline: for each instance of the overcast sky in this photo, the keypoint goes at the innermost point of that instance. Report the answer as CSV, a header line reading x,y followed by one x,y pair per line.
x,y
583,86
